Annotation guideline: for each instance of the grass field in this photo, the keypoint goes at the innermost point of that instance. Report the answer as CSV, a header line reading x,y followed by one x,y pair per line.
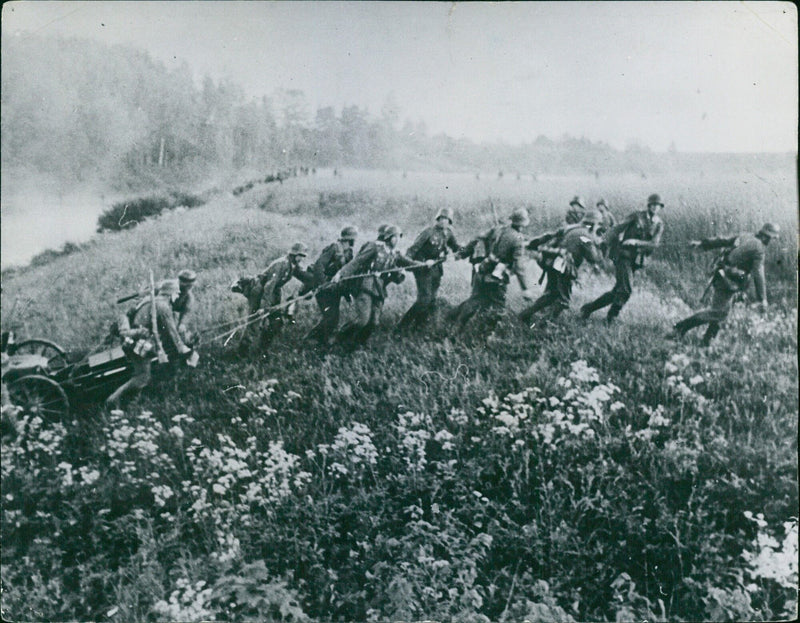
x,y
574,472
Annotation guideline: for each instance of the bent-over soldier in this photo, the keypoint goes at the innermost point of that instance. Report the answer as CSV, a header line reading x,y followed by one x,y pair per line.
x,y
328,295
369,291
431,244
139,344
562,254
504,255
629,243
742,256
277,275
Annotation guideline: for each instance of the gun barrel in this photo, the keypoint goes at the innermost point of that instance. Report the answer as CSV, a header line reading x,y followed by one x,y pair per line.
x,y
129,297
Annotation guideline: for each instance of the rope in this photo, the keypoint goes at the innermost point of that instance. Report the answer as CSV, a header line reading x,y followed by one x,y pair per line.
x,y
261,313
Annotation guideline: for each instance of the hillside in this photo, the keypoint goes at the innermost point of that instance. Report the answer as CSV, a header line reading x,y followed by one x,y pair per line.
x,y
575,471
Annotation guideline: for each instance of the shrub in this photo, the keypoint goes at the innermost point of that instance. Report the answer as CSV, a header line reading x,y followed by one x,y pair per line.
x,y
126,214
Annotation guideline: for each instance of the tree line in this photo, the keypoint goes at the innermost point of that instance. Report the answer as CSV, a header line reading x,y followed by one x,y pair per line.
x,y
82,110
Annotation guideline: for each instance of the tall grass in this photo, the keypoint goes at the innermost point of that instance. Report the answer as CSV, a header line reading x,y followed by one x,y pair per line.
x,y
574,471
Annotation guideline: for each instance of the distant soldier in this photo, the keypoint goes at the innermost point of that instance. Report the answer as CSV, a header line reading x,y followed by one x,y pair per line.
x,y
741,257
328,295
369,292
431,244
608,221
135,327
498,253
629,243
576,209
277,275
562,254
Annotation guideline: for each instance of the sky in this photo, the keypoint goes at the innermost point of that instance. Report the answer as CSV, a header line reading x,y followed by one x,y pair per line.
x,y
706,76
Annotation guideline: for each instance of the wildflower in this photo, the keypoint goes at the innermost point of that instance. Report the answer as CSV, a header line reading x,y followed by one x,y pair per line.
x,y
177,431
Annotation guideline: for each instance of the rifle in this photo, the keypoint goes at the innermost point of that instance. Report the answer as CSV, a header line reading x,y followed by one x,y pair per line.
x,y
130,297
162,356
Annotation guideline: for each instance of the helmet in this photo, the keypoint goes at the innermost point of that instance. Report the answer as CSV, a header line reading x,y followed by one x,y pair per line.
x,y
349,233
187,276
389,231
298,248
520,217
601,202
770,229
445,213
655,199
592,217
169,288
577,200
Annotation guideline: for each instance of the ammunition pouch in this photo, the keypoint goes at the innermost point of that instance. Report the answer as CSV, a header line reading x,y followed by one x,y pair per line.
x,y
140,347
558,260
493,270
478,253
731,278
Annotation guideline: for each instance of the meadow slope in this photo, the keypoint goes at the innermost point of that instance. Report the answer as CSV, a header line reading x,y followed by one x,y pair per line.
x,y
575,471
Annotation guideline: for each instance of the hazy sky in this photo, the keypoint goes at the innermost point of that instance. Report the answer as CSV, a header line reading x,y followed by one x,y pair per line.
x,y
710,76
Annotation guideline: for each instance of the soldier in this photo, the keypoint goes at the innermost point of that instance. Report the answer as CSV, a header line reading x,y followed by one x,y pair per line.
x,y
136,328
629,243
328,295
562,254
608,221
369,292
503,254
184,303
431,244
742,256
576,209
277,275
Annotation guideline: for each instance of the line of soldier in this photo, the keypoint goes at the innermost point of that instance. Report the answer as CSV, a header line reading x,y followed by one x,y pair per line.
x,y
497,255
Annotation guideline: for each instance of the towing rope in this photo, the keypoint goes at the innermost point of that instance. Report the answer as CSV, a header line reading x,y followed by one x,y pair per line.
x,y
260,314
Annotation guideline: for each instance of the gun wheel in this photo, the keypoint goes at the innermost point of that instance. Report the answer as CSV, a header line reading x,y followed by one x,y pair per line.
x,y
39,395
55,355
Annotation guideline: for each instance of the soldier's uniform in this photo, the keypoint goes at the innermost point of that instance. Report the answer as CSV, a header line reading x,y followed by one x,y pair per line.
x,y
431,244
183,305
369,292
329,262
277,275
644,231
743,256
136,329
505,255
562,254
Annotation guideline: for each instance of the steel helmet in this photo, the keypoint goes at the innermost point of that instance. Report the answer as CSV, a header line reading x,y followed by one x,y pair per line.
x,y
592,217
389,231
770,229
520,217
445,213
601,202
298,248
187,276
349,233
655,199
578,200
169,288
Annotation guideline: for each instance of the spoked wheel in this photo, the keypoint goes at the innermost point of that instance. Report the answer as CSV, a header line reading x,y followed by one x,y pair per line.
x,y
55,355
39,395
